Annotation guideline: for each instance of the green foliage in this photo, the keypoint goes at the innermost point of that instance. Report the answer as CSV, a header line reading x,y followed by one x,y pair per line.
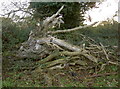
x,y
8,83
72,12
106,34
13,33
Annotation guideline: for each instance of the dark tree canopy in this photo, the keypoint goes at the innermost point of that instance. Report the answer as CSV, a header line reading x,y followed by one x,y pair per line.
x,y
73,13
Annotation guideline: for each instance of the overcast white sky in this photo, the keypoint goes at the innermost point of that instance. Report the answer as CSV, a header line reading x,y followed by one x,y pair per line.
x,y
106,10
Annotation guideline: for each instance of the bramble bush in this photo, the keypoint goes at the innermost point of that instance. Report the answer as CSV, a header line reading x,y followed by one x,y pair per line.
x,y
13,33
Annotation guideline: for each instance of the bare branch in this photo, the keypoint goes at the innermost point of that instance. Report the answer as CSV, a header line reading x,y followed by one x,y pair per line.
x,y
49,19
18,7
70,30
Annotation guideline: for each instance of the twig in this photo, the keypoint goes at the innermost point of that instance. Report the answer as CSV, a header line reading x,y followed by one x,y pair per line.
x,y
105,74
104,51
114,63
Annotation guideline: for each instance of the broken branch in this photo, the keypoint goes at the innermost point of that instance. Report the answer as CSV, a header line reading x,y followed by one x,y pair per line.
x,y
100,75
49,19
50,57
70,30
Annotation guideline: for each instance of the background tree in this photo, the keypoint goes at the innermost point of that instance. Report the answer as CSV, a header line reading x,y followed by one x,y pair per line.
x,y
73,13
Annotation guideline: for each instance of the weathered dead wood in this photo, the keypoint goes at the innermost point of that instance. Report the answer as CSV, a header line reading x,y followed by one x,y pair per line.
x,y
34,44
49,22
104,51
80,62
90,57
65,45
43,40
55,62
60,66
101,75
61,63
58,42
51,56
49,19
70,30
38,46
114,63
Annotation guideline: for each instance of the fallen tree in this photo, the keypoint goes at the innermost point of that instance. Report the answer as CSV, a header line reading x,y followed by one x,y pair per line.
x,y
56,53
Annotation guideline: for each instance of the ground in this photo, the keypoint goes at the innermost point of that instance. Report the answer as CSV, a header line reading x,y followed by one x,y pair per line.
x,y
23,73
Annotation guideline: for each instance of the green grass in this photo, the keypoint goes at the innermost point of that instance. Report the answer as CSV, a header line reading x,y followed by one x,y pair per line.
x,y
8,82
21,79
106,81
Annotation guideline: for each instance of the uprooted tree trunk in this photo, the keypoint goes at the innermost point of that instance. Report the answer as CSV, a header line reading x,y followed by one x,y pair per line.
x,y
42,45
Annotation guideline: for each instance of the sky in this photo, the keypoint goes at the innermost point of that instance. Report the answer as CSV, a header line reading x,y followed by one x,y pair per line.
x,y
106,10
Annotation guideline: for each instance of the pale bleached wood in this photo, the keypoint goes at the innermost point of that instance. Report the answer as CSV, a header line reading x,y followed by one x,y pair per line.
x,y
70,30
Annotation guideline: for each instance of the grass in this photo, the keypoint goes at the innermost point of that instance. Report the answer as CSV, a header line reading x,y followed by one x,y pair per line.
x,y
23,79
106,81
